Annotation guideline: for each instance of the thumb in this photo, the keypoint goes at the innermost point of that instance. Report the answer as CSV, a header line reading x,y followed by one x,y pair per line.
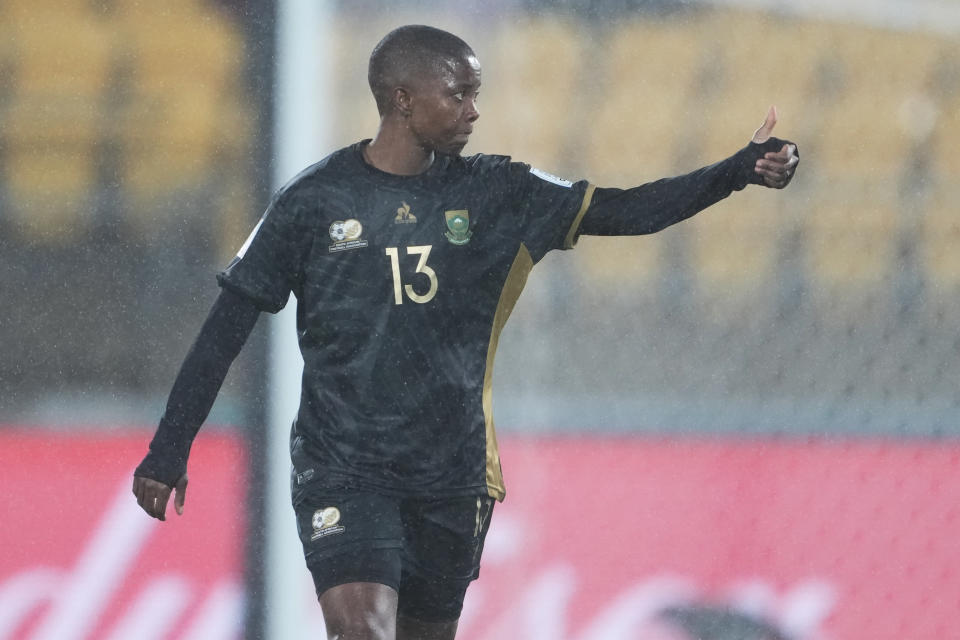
x,y
181,490
766,129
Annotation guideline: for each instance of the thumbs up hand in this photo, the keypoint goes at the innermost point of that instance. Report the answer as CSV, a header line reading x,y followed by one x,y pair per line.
x,y
776,168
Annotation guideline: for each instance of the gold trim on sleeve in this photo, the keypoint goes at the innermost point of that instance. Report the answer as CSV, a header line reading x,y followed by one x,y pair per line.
x,y
512,286
572,234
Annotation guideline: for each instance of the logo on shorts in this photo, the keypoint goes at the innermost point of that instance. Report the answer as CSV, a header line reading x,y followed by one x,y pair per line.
x,y
458,226
346,235
325,523
303,478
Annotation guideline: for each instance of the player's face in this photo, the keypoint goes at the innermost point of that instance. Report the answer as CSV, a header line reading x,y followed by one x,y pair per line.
x,y
445,106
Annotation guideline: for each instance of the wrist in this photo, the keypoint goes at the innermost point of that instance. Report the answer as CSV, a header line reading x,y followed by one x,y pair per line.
x,y
162,467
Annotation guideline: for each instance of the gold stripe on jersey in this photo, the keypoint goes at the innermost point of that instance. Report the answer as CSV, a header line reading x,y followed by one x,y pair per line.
x,y
572,233
516,279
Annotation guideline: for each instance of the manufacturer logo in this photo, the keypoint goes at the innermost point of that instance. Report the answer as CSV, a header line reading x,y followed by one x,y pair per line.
x,y
325,523
458,226
303,478
404,216
346,235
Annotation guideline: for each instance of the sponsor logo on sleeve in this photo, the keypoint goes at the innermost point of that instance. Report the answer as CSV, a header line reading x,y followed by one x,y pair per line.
x,y
346,235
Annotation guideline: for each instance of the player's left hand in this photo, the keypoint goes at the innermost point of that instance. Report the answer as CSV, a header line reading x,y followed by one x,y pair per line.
x,y
152,496
775,167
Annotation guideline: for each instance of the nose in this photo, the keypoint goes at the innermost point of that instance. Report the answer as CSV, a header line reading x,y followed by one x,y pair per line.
x,y
472,112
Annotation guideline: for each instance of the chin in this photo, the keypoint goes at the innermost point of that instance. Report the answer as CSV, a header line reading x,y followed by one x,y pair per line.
x,y
453,149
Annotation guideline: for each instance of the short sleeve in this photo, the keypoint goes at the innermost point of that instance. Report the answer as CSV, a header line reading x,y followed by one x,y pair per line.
x,y
551,208
267,266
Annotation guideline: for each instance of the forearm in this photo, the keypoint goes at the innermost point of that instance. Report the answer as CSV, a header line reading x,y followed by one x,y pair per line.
x,y
221,338
657,205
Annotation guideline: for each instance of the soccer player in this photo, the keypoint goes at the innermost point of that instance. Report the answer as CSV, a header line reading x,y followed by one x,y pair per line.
x,y
406,260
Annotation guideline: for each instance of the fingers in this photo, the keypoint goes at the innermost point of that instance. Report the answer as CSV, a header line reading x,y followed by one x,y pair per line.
x,y
152,496
777,168
777,177
766,129
787,153
181,494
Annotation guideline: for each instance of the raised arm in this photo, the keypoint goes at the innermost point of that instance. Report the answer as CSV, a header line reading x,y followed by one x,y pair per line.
x,y
656,205
224,333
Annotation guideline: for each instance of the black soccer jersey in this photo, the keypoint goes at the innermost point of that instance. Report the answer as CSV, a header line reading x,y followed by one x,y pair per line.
x,y
403,285
397,395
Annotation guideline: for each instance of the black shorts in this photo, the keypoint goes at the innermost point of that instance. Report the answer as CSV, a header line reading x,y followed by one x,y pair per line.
x,y
428,550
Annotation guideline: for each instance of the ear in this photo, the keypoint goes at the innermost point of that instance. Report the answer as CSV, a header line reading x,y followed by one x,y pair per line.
x,y
402,101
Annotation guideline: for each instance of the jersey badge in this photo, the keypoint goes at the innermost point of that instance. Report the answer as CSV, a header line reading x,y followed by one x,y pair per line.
x,y
404,216
346,235
458,226
326,523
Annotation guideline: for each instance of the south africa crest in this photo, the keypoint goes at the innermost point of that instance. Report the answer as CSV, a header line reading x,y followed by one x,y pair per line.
x,y
458,226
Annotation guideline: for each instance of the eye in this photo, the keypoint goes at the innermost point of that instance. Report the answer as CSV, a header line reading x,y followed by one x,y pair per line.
x,y
461,95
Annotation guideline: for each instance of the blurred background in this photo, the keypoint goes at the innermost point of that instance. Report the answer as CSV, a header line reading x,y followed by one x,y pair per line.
x,y
784,367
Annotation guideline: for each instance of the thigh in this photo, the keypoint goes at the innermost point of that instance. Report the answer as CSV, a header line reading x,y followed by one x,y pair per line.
x,y
349,537
443,542
410,629
366,610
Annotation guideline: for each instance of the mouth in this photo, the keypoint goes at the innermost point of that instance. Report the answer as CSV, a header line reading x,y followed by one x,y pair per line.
x,y
458,141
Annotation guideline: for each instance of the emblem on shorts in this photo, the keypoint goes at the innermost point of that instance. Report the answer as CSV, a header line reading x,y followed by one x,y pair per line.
x,y
404,216
346,235
303,478
458,226
325,523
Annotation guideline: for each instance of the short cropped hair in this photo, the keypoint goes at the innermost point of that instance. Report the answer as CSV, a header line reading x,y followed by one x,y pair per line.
x,y
407,52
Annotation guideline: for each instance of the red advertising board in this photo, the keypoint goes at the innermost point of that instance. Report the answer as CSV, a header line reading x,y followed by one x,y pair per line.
x,y
612,539
80,559
681,539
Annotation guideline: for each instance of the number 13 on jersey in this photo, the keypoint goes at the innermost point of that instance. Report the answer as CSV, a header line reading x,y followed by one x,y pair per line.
x,y
399,288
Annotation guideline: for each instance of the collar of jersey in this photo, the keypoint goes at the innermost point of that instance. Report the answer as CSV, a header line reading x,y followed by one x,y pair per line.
x,y
440,162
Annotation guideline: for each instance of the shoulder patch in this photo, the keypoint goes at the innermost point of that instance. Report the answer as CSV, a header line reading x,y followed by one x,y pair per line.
x,y
549,177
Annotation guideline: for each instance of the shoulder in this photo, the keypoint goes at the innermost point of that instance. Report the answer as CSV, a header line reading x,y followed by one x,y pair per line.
x,y
485,162
334,168
516,172
328,179
491,168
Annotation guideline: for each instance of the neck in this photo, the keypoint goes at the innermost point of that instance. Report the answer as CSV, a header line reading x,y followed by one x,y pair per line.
x,y
394,150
